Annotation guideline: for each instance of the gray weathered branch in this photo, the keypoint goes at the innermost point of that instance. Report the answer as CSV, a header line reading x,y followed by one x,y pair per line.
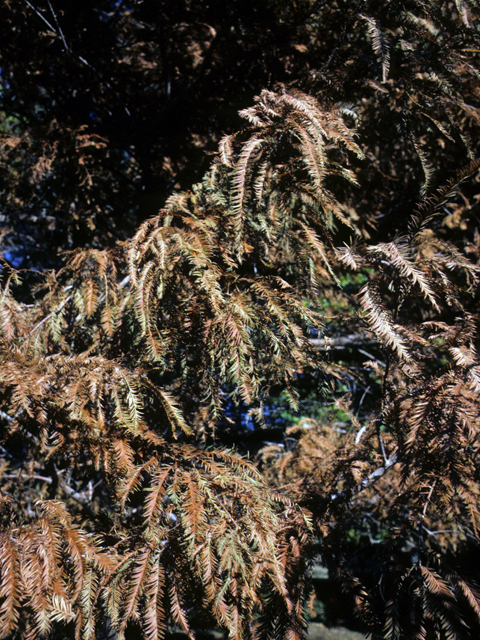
x,y
343,342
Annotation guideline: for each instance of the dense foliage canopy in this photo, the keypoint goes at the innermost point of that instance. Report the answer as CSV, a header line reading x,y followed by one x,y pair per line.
x,y
325,266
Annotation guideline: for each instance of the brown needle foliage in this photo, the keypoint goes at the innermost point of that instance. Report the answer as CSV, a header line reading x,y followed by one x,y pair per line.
x,y
121,512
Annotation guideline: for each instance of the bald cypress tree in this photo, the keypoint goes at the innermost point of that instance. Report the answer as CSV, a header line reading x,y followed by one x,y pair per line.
x,y
122,510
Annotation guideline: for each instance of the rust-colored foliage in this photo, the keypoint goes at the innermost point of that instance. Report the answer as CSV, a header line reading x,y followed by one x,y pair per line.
x,y
117,513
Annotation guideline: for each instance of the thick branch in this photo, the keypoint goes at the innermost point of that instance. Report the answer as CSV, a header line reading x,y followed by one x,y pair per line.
x,y
378,473
343,342
368,481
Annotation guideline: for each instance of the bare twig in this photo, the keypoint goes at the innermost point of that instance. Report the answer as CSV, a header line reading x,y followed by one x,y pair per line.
x,y
59,33
37,326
